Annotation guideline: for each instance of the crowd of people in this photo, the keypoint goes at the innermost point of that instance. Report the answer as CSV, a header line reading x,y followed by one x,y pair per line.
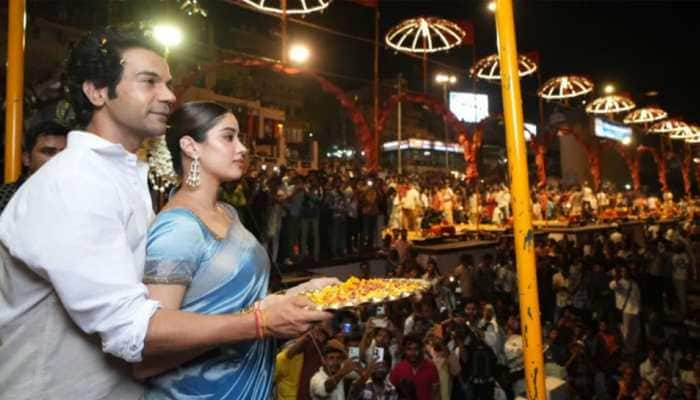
x,y
615,315
339,211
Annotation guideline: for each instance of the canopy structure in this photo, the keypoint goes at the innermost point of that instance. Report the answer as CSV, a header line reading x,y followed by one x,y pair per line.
x,y
611,104
682,134
645,115
669,125
293,7
424,35
695,135
489,68
565,87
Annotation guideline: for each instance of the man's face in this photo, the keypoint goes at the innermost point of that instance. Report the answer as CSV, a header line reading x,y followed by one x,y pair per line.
x,y
46,147
382,338
413,353
470,310
333,361
144,99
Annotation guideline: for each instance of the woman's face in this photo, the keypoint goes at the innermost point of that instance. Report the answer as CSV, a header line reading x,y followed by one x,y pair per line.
x,y
223,155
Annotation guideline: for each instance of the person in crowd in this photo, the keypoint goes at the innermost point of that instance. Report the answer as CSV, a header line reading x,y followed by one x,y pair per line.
x,y
328,382
310,218
337,204
649,369
627,302
276,198
464,272
415,373
681,265
369,200
289,362
377,385
41,143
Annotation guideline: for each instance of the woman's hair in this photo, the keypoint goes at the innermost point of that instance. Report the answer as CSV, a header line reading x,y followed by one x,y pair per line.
x,y
98,58
193,119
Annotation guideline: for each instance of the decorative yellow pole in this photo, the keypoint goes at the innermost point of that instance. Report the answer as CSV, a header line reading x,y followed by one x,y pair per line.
x,y
15,89
520,188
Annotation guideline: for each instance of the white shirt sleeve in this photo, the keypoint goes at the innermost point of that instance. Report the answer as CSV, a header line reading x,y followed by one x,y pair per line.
x,y
77,240
317,386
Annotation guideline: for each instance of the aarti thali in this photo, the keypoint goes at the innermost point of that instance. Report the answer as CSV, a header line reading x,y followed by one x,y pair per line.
x,y
355,292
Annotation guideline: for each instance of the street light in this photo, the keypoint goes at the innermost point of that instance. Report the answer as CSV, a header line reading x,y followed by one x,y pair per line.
x,y
444,80
609,89
492,6
168,35
299,53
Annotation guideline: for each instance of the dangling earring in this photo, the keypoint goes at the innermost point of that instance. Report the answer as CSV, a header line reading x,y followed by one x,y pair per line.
x,y
193,180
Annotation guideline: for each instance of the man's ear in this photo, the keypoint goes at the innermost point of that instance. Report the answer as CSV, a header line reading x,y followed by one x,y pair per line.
x,y
97,97
25,159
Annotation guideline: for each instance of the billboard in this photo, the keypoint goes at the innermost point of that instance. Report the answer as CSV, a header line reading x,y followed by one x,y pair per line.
x,y
421,144
610,130
469,107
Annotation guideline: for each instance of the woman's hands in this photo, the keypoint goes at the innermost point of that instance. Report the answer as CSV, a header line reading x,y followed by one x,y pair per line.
x,y
289,316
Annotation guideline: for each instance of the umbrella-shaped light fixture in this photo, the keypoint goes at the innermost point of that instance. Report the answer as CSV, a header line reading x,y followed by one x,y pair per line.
x,y
645,115
489,68
565,87
610,104
293,7
669,126
683,133
424,35
695,135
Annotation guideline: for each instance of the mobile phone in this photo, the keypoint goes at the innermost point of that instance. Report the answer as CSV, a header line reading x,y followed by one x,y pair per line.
x,y
380,311
354,353
380,323
378,354
347,328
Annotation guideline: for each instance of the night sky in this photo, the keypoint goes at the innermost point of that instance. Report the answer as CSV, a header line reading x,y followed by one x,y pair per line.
x,y
639,46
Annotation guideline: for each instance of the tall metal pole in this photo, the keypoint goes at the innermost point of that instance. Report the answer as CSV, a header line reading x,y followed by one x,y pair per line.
x,y
444,124
376,85
519,186
14,91
398,125
284,32
425,72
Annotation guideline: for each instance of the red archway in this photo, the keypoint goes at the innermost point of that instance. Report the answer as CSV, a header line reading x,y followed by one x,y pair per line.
x,y
632,160
592,151
538,143
685,168
363,131
660,165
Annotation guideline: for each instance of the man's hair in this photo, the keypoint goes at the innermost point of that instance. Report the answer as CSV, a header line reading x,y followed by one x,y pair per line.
x,y
98,58
44,128
408,339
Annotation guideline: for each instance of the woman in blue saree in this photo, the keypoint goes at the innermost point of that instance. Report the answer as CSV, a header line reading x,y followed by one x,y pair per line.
x,y
200,258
